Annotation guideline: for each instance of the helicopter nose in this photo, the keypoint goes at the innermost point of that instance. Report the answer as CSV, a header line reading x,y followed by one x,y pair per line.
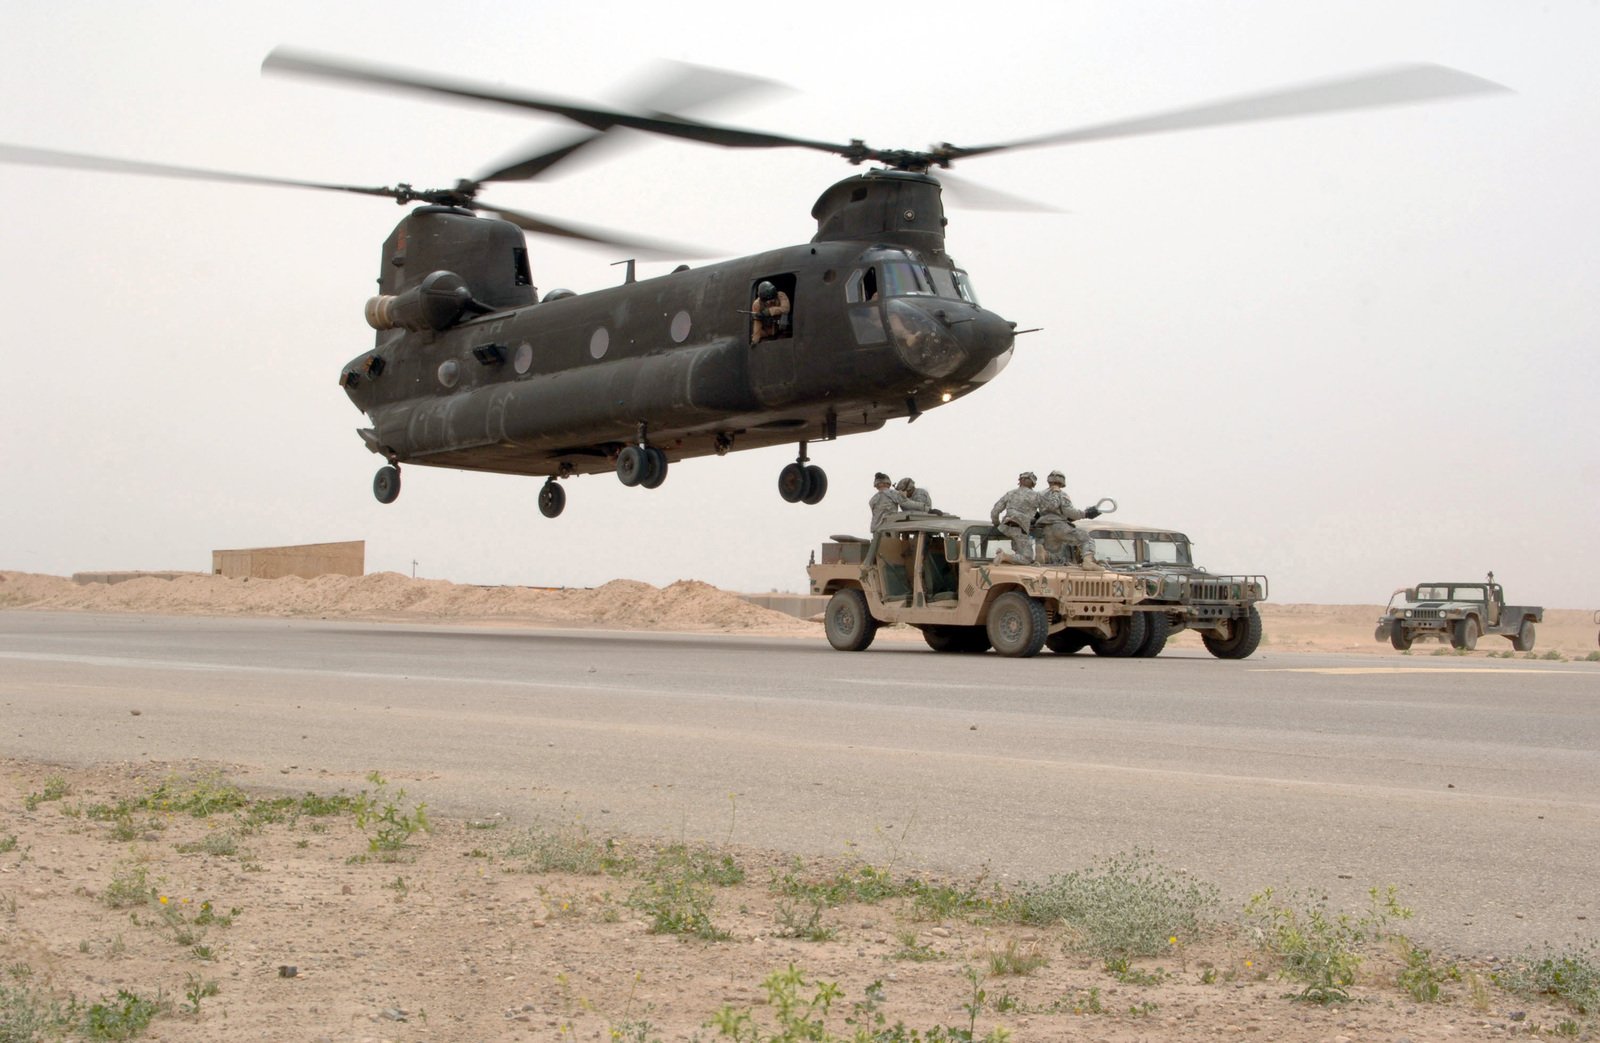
x,y
945,339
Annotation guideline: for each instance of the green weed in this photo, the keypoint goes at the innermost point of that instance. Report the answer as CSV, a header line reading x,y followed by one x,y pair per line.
x,y
27,1015
129,886
1571,975
1016,959
379,815
1320,951
8,844
1421,977
806,926
124,1018
566,849
1126,905
198,989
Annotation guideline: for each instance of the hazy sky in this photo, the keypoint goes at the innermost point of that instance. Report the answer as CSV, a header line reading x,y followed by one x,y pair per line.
x,y
1350,352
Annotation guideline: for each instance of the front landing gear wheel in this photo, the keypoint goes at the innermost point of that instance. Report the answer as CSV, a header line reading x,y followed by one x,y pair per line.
x,y
386,484
552,499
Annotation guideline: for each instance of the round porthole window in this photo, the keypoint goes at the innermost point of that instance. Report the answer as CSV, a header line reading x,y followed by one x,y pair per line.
x,y
524,360
681,324
449,373
599,342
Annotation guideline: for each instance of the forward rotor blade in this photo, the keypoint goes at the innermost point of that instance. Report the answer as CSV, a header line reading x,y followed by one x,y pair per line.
x,y
40,157
672,87
973,196
1401,85
647,249
286,60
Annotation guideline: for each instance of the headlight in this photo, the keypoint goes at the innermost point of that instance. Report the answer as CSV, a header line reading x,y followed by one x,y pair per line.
x,y
1410,612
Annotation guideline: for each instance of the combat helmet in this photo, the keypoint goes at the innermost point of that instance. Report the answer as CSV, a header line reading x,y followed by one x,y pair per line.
x,y
1055,478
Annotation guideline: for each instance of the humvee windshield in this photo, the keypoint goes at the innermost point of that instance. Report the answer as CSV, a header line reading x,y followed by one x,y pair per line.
x,y
1444,592
1154,548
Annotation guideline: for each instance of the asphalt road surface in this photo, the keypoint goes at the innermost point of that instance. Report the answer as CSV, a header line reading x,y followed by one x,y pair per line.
x,y
1471,785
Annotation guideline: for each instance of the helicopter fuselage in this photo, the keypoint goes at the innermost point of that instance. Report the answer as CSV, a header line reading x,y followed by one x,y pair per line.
x,y
878,329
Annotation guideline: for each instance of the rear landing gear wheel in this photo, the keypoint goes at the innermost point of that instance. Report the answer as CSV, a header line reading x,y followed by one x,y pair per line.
x,y
816,484
632,467
386,484
655,467
552,499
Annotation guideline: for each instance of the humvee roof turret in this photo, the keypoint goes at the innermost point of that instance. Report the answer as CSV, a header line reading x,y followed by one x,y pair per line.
x,y
938,574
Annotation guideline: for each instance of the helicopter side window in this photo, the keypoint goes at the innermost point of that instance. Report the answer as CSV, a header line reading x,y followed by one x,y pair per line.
x,y
964,288
772,308
861,286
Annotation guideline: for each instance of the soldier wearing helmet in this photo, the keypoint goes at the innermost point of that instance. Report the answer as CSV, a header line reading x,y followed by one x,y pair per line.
x,y
1060,537
1013,515
771,313
885,502
921,499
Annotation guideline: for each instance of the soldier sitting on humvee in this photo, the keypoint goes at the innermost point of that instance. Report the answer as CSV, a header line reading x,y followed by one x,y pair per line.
x,y
1054,524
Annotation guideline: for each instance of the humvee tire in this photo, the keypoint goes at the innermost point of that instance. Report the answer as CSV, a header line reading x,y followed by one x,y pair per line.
x,y
1017,625
1399,638
850,627
1157,628
1523,641
1067,642
1465,634
1243,638
1126,641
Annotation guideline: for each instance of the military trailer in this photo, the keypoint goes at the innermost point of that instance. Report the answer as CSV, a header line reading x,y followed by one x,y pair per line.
x,y
938,574
1459,613
1179,595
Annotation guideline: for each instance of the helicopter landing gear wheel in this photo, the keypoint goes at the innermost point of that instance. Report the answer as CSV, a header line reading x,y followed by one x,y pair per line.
x,y
792,483
552,499
386,484
816,484
655,467
632,467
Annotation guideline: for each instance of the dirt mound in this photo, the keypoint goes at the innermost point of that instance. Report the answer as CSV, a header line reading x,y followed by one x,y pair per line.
x,y
621,603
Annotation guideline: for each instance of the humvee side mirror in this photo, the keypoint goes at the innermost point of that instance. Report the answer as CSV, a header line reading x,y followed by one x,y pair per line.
x,y
952,548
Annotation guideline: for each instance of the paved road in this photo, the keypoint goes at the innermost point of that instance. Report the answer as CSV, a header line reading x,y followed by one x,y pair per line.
x,y
1472,785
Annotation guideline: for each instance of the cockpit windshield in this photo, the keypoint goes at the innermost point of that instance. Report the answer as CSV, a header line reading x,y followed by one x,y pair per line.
x,y
907,275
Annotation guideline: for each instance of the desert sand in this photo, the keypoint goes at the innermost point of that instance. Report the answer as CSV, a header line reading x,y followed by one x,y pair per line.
x,y
238,925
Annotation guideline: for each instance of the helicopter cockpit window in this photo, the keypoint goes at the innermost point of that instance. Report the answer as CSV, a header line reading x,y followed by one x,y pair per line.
x,y
964,288
861,286
903,279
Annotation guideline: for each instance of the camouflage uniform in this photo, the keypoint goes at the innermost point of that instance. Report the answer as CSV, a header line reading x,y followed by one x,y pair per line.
x,y
885,502
767,313
1055,529
1013,515
921,499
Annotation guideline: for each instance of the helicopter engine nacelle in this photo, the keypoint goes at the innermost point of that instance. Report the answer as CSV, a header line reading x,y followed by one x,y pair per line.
x,y
436,303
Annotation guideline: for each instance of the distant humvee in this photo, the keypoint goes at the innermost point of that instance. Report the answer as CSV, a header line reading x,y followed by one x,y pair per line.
x,y
1458,612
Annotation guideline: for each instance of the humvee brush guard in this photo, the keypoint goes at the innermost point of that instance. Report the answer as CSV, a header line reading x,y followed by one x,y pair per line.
x,y
937,573
1459,612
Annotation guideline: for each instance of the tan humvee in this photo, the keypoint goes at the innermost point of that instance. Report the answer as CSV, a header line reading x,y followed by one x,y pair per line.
x,y
937,573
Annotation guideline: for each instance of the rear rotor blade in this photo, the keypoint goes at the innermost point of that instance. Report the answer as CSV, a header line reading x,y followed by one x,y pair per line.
x,y
40,157
1401,85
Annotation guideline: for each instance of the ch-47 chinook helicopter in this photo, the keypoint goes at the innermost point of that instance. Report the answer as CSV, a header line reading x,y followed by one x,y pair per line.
x,y
472,370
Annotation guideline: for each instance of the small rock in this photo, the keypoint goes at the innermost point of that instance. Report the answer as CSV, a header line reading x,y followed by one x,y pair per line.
x,y
393,1014
287,970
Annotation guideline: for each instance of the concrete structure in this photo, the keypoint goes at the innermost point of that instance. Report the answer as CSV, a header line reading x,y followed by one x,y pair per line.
x,y
85,578
801,606
308,561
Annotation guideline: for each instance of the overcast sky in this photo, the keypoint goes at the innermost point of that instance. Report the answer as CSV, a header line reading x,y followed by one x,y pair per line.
x,y
1349,352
